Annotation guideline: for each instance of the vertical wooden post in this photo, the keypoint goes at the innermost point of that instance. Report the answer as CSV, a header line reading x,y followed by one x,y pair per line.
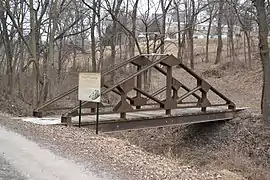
x,y
123,115
204,95
80,113
97,118
169,86
123,99
175,95
139,84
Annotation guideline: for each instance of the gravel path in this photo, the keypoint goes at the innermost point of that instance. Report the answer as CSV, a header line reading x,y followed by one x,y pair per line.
x,y
8,172
38,163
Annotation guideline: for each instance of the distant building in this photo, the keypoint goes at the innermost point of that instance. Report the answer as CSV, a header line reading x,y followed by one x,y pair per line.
x,y
171,26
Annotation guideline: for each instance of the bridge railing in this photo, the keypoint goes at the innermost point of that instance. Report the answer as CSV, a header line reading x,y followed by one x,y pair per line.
x,y
141,101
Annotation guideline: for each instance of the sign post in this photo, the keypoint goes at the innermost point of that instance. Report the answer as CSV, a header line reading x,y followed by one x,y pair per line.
x,y
97,118
80,113
89,90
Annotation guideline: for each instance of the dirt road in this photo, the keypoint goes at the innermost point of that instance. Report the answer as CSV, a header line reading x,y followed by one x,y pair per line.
x,y
22,159
8,172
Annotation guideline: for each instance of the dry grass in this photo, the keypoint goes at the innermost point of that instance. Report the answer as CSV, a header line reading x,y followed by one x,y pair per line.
x,y
240,146
108,154
223,69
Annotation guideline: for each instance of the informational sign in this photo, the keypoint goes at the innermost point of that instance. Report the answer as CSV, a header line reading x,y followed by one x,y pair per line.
x,y
89,87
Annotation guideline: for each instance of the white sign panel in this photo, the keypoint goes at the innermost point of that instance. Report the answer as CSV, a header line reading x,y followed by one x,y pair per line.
x,y
89,87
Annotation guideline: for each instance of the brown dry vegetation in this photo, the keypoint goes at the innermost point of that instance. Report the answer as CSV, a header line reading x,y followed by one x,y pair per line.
x,y
241,145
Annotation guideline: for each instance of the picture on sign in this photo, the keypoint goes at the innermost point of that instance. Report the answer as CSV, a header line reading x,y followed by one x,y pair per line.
x,y
89,87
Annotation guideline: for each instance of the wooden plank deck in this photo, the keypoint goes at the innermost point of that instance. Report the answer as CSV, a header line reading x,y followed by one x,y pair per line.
x,y
147,114
151,119
144,119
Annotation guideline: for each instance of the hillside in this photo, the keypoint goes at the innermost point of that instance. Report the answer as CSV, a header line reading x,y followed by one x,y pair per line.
x,y
236,149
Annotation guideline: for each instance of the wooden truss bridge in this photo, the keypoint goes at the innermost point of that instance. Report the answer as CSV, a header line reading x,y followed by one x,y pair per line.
x,y
138,107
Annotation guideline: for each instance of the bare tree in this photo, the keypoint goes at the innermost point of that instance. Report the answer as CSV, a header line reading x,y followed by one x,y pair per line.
x,y
212,14
93,38
191,16
7,44
264,54
219,31
47,65
134,24
164,9
244,19
180,34
114,10
34,53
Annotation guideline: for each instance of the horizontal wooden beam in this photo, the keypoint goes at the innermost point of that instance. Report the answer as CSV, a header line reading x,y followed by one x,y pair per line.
x,y
122,125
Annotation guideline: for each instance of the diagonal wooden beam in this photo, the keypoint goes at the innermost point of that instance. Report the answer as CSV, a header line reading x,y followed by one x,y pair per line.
x,y
182,85
149,96
136,74
211,87
188,89
56,98
158,92
117,92
188,94
121,82
105,72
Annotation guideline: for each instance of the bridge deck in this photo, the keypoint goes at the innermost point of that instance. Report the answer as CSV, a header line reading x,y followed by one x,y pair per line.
x,y
143,119
146,114
146,119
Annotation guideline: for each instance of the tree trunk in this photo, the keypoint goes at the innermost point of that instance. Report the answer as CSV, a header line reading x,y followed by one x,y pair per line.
x,y
183,45
163,28
231,39
50,59
179,51
113,39
245,49
249,50
134,24
219,29
7,46
59,69
264,54
191,24
101,45
119,40
93,40
207,39
34,53
164,9
74,68
113,49
191,47
20,79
